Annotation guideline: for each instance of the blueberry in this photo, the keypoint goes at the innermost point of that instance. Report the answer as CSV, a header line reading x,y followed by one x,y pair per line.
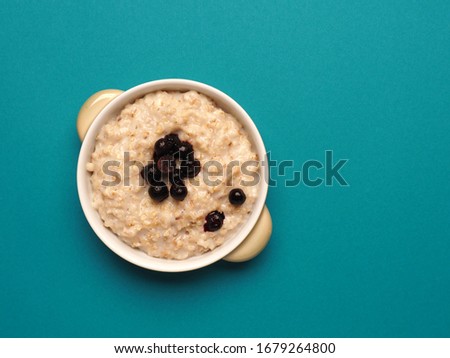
x,y
175,177
237,197
185,151
150,173
158,192
214,221
173,142
178,192
190,168
165,146
166,164
162,147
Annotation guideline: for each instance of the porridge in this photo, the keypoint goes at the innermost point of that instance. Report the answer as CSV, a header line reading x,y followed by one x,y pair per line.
x,y
162,189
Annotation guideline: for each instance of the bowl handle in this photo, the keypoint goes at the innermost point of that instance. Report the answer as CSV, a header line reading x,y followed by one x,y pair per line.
x,y
92,107
255,242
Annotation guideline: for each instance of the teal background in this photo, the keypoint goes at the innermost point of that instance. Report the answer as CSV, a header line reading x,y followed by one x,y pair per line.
x,y
369,80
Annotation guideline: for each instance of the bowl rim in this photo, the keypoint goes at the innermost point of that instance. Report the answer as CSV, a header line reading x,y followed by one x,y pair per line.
x,y
111,240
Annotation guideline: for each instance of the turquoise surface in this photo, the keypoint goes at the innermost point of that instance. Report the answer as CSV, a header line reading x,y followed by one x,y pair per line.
x,y
368,80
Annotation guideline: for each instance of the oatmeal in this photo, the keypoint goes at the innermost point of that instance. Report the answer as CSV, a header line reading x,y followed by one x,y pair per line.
x,y
176,223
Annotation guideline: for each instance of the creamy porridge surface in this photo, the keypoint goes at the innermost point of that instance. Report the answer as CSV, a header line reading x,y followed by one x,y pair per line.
x,y
171,229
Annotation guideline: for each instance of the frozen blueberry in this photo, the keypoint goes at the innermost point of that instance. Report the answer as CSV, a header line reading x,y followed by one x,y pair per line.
x,y
151,174
214,221
158,192
175,177
190,168
162,147
178,192
173,142
185,151
237,197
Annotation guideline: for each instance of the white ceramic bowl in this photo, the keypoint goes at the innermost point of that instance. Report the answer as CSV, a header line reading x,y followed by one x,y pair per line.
x,y
104,105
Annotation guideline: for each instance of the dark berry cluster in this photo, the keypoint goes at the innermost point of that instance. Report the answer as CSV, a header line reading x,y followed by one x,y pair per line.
x,y
173,161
